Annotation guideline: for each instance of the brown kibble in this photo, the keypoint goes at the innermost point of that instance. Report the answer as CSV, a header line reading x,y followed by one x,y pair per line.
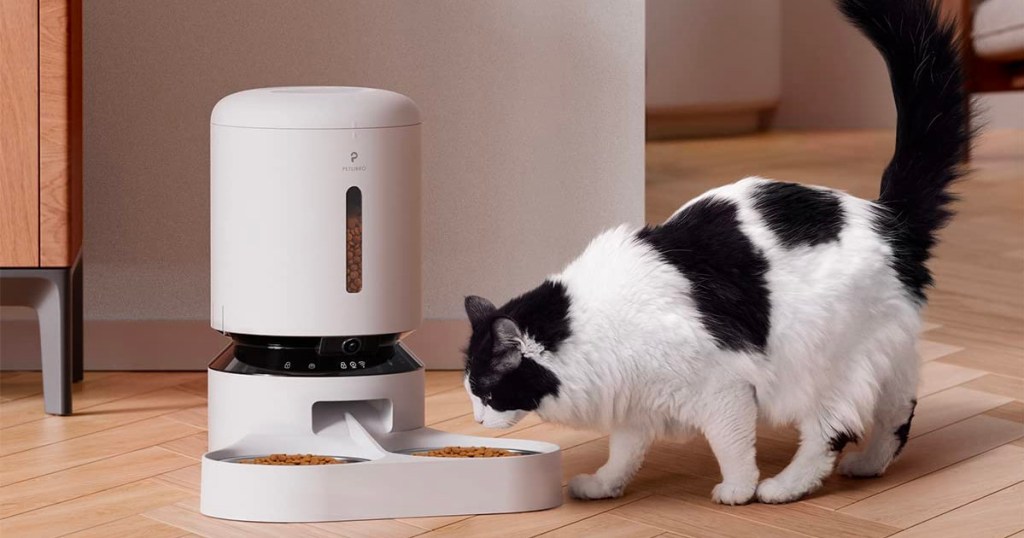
x,y
466,452
292,459
354,255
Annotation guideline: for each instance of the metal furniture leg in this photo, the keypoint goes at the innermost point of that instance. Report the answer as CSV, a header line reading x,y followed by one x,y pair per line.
x,y
47,291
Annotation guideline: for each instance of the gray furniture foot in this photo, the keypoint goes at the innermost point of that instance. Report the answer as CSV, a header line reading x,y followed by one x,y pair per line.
x,y
55,297
77,350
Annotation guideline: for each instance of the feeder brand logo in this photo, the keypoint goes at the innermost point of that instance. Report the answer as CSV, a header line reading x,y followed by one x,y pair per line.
x,y
355,167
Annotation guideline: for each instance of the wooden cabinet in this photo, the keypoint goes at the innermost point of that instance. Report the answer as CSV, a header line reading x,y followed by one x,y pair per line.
x,y
986,74
40,133
41,179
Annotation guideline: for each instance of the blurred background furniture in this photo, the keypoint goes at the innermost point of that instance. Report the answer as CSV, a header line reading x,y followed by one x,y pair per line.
x,y
995,55
41,187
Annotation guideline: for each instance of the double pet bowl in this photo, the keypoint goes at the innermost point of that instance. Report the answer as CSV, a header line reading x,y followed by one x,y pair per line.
x,y
375,423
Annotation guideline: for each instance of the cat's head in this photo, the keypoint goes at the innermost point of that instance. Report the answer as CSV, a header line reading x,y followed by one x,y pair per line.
x,y
504,377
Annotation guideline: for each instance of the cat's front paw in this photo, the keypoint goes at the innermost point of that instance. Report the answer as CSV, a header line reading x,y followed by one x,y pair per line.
x,y
733,493
591,486
775,491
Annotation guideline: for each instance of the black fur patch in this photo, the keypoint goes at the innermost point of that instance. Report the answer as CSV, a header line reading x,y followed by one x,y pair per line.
x,y
839,441
542,313
799,215
522,388
903,432
704,242
909,253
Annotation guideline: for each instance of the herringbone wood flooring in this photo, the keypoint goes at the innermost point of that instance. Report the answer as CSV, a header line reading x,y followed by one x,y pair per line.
x,y
127,463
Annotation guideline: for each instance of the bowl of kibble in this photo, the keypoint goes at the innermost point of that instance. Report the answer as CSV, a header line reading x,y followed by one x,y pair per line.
x,y
465,452
293,459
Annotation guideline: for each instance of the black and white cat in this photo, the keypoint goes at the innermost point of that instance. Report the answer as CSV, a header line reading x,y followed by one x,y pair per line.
x,y
797,304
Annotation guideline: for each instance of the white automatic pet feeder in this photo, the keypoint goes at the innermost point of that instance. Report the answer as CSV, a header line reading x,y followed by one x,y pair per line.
x,y
315,274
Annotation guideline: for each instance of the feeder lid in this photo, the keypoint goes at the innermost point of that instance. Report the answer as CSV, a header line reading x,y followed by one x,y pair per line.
x,y
316,107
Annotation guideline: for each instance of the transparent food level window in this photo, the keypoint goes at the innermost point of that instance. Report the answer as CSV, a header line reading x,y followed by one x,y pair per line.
x,y
354,239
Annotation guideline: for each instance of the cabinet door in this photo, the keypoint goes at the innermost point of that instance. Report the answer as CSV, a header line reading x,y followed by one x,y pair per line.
x,y
60,131
19,133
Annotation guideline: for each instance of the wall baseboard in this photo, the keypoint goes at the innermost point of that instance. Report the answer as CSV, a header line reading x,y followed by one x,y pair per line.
x,y
191,344
700,121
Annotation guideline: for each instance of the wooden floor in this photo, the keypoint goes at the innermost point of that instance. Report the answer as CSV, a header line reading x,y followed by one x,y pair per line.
x,y
127,462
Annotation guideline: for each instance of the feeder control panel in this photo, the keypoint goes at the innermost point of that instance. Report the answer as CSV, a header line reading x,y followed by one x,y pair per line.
x,y
305,356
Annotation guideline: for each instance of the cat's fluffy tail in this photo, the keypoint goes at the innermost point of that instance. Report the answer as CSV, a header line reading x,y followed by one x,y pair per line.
x,y
933,132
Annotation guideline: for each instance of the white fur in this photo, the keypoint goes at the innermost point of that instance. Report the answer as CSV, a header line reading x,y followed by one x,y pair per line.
x,y
639,363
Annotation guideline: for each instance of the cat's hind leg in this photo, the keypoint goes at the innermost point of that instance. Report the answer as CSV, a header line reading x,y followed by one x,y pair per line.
x,y
626,451
855,396
892,427
731,430
893,413
820,444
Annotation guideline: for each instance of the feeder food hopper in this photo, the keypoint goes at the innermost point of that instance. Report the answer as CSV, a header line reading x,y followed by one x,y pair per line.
x,y
315,275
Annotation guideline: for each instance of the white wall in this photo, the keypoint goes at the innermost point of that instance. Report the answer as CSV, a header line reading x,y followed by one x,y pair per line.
x,y
832,78
1002,110
533,131
710,54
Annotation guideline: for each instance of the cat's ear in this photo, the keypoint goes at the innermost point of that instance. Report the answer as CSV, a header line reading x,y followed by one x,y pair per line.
x,y
508,341
506,333
479,310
